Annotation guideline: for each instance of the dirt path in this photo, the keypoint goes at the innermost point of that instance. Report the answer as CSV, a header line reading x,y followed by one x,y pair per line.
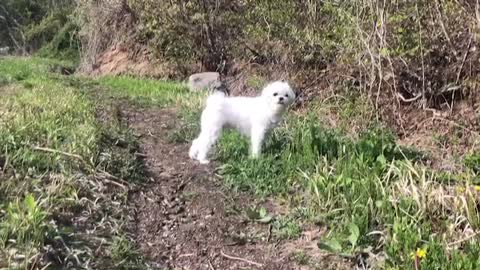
x,y
186,220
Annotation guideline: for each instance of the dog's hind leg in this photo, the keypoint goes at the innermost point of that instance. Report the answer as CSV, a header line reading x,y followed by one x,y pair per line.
x,y
193,152
256,140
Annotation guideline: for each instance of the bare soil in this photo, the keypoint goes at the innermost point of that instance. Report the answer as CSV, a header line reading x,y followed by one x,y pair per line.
x,y
186,219
117,60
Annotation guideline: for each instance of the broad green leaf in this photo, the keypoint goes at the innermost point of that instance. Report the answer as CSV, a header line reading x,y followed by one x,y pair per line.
x,y
30,202
331,245
265,219
354,234
262,212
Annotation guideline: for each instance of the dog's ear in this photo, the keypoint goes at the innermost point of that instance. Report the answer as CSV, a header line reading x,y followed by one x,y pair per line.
x,y
296,93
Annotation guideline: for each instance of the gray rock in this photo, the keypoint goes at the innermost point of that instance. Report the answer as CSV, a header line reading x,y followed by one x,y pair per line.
x,y
203,81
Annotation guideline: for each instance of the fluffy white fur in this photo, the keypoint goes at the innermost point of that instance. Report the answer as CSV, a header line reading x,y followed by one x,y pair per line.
x,y
251,116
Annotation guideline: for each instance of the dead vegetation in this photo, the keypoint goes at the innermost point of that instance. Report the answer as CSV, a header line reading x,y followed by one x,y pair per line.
x,y
411,59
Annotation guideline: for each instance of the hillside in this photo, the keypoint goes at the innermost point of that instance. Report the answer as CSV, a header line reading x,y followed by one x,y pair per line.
x,y
375,167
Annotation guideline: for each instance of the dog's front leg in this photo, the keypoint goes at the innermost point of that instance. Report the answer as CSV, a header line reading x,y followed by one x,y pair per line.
x,y
258,133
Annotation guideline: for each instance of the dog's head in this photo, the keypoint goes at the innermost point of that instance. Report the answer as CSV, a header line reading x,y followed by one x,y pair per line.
x,y
279,95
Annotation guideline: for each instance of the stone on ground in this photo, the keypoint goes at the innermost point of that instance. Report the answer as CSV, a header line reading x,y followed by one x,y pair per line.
x,y
203,81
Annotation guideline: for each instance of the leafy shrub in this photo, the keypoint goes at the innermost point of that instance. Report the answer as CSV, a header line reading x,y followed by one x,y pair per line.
x,y
31,25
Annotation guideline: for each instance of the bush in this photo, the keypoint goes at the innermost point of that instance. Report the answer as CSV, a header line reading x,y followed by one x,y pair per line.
x,y
417,49
55,36
31,25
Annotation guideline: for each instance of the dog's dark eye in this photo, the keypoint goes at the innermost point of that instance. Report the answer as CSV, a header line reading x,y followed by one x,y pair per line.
x,y
275,94
286,95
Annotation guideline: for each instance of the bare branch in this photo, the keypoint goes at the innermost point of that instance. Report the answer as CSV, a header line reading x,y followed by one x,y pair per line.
x,y
409,100
241,259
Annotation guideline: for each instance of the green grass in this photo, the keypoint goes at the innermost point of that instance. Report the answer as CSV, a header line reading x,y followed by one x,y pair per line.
x,y
286,228
24,222
145,91
371,193
46,114
54,157
125,255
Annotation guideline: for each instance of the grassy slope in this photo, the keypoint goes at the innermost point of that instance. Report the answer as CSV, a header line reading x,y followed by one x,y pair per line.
x,y
372,195
57,163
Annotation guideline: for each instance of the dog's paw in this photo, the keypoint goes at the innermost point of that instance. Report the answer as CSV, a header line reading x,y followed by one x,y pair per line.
x,y
255,156
204,161
192,153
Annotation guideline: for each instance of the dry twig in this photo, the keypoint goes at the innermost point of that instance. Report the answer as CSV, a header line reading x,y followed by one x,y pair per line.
x,y
211,265
54,151
464,59
115,178
240,259
409,100
115,183
462,240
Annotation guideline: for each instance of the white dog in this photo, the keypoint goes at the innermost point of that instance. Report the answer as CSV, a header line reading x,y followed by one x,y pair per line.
x,y
251,116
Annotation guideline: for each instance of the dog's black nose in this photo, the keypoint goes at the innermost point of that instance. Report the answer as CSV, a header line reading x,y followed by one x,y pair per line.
x,y
281,99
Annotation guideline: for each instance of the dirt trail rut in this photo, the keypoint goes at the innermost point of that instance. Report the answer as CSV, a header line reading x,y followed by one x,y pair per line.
x,y
185,219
